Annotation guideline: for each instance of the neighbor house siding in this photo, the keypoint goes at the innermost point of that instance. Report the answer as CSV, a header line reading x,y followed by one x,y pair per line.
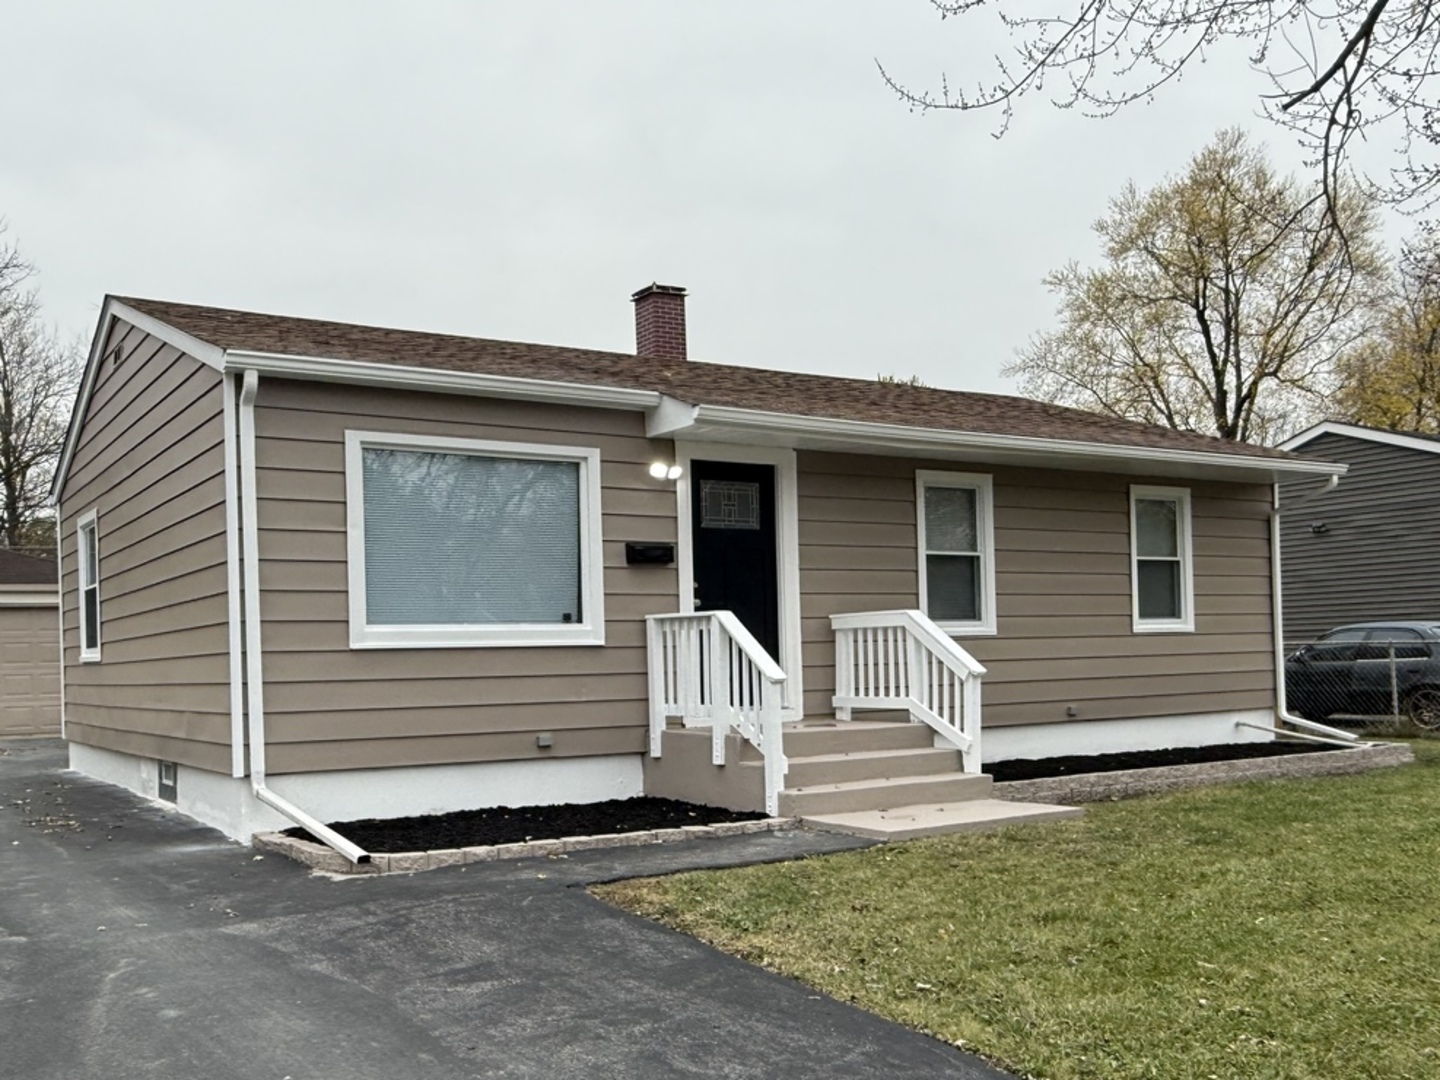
x,y
1376,557
1065,636
151,462
332,707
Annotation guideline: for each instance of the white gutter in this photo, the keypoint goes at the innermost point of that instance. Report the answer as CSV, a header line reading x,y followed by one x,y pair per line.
x,y
254,673
920,439
1282,709
397,376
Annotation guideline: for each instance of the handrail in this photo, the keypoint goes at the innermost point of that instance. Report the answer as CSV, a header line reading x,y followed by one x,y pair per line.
x,y
708,669
902,660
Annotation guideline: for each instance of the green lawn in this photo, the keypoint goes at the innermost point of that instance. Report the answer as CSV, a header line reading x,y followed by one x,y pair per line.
x,y
1285,929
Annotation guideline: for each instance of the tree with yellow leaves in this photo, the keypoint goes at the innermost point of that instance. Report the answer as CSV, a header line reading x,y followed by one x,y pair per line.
x,y
1393,380
1227,298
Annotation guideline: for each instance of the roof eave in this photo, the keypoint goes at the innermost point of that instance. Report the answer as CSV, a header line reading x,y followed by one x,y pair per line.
x,y
1355,431
713,423
399,376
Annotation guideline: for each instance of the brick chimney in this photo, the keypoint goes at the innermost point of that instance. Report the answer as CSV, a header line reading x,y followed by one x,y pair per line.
x,y
660,322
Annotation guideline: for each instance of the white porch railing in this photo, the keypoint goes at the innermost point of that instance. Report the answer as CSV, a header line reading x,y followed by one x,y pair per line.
x,y
707,669
902,660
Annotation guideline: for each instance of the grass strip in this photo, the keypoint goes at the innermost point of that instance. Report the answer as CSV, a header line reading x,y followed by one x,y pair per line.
x,y
1283,929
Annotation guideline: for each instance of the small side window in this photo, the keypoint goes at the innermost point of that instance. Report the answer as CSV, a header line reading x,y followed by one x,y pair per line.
x,y
88,554
1161,568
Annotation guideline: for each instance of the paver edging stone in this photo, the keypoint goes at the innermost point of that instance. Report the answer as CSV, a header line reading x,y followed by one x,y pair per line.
x,y
1127,783
320,857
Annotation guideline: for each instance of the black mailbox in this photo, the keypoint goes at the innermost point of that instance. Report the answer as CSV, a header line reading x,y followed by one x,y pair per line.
x,y
649,554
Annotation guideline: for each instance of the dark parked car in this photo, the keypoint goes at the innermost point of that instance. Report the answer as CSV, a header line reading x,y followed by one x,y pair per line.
x,y
1365,669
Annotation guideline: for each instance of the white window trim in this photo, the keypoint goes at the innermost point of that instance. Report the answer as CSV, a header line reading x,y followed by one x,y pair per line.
x,y
1186,623
590,631
91,521
984,487
787,549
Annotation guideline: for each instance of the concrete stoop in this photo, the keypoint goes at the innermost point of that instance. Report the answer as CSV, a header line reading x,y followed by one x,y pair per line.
x,y
880,778
935,819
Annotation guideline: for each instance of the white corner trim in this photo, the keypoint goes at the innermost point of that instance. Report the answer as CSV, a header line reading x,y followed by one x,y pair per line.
x,y
1354,431
1186,623
89,520
920,440
984,487
60,607
787,549
399,376
364,635
233,598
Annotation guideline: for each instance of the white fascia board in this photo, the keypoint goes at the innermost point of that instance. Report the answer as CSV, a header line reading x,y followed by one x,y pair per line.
x,y
207,354
111,310
397,376
1389,438
897,437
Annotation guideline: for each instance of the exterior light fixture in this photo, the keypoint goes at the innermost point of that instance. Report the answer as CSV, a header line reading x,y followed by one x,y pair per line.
x,y
661,471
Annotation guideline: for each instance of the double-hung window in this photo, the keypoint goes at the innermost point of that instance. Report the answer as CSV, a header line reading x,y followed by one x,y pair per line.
x,y
468,542
955,524
87,551
1161,566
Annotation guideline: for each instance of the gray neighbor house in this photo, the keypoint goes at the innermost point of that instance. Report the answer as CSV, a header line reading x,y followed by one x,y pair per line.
x,y
1369,549
314,570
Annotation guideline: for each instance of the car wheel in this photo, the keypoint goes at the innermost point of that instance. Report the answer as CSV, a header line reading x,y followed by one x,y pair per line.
x,y
1423,707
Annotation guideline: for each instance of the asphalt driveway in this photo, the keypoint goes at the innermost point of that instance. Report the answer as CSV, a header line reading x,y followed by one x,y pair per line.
x,y
135,943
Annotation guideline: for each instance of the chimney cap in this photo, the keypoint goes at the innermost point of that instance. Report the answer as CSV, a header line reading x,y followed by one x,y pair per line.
x,y
655,288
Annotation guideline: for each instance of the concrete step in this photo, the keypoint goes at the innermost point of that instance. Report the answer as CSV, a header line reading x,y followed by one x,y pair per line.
x,y
882,794
812,738
934,819
807,772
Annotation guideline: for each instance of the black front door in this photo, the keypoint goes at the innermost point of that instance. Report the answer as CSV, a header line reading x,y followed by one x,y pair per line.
x,y
733,525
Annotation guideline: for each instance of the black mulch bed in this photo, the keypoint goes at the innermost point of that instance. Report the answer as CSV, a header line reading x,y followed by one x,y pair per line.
x,y
507,825
1044,768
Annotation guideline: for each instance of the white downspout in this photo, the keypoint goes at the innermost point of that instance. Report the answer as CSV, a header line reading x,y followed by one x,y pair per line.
x,y
254,673
1282,710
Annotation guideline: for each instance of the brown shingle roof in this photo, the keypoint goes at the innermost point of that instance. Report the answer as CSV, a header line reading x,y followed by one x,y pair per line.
x,y
17,569
695,382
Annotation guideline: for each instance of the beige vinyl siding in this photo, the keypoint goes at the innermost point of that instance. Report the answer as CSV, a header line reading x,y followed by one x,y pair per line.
x,y
331,707
29,670
151,461
1062,562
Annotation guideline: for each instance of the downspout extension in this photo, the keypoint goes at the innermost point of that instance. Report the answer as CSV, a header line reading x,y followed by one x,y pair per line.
x,y
254,672
1282,710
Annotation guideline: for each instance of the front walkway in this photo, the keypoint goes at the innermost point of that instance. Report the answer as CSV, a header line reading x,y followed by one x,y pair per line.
x,y
136,943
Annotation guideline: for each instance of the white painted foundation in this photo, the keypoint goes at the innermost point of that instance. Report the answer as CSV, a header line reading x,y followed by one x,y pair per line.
x,y
1118,736
228,804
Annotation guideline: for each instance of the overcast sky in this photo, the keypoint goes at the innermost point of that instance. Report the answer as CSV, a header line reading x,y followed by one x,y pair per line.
x,y
517,170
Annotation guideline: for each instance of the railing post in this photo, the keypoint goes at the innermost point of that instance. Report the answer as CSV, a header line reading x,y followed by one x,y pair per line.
x,y
971,725
844,672
720,689
655,658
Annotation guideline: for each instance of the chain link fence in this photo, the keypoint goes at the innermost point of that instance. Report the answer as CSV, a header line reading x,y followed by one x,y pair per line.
x,y
1384,680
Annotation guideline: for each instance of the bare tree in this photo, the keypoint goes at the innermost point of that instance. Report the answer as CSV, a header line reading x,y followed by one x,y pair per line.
x,y
1224,304
38,379
1339,68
